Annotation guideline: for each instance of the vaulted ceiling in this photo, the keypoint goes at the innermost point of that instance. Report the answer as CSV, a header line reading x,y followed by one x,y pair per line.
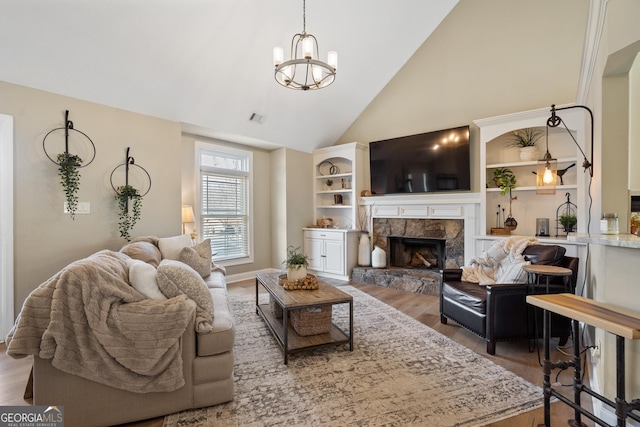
x,y
208,64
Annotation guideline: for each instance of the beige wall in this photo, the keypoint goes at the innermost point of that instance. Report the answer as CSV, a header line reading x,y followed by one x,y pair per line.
x,y
487,58
261,198
634,125
46,239
292,198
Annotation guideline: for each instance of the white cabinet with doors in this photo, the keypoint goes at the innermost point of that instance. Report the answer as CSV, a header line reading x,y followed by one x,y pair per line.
x,y
332,253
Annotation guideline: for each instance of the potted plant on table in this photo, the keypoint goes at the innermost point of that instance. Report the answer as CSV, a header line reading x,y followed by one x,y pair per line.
x,y
526,139
568,221
296,263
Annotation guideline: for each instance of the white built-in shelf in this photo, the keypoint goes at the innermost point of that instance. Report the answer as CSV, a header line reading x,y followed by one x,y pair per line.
x,y
533,188
338,191
530,163
337,175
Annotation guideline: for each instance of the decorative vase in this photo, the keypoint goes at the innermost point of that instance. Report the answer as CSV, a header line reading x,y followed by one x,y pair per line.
x,y
364,251
529,153
378,258
297,273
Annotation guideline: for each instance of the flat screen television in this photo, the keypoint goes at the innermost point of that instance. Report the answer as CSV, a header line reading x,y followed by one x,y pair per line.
x,y
425,163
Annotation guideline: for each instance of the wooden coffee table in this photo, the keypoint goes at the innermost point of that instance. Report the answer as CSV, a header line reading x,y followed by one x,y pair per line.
x,y
282,330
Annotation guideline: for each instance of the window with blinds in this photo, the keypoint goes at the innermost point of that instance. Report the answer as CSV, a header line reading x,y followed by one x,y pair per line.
x,y
225,176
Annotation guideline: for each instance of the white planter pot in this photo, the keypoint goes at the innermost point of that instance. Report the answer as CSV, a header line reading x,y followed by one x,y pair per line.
x,y
364,251
528,154
296,274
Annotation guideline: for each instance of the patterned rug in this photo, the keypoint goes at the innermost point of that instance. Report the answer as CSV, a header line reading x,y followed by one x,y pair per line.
x,y
400,373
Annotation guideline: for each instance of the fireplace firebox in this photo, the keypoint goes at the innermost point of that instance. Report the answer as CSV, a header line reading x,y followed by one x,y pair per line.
x,y
418,253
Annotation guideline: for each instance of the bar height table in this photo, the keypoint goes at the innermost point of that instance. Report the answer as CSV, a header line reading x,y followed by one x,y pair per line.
x,y
623,323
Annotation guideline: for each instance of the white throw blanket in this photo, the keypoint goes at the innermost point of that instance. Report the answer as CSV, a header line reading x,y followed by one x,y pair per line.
x,y
92,323
485,268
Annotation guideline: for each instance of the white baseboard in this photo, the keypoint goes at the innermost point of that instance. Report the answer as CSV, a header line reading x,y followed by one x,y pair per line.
x,y
249,275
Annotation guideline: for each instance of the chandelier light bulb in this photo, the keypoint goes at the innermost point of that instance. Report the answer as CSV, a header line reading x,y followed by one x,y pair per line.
x,y
307,47
547,178
317,73
288,73
332,59
278,56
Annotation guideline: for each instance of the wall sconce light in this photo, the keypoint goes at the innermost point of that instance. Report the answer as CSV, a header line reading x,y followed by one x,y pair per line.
x,y
545,165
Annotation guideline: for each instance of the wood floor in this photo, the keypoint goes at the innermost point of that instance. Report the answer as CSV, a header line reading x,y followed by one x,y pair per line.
x,y
514,356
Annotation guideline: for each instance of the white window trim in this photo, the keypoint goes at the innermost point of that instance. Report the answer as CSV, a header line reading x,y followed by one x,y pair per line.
x,y
199,146
6,225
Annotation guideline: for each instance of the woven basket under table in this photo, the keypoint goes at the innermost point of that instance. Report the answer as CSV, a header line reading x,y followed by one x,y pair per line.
x,y
311,320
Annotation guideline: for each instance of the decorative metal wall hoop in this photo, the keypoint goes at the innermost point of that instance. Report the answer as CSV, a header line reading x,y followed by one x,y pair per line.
x,y
129,161
333,169
68,125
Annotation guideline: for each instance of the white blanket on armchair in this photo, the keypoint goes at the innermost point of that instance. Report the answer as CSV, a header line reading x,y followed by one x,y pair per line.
x,y
501,263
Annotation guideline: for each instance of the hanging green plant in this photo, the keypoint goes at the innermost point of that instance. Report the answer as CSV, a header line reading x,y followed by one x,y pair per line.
x,y
126,221
69,171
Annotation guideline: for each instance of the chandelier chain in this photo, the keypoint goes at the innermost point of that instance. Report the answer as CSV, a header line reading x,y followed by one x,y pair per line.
x,y
304,17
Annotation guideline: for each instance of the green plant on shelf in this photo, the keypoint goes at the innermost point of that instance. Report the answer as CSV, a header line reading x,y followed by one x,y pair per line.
x,y
504,179
568,221
525,137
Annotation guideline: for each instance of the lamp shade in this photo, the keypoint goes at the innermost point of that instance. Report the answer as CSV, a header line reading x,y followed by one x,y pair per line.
x,y
187,214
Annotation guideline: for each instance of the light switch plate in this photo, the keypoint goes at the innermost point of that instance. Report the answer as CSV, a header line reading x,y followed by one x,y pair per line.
x,y
82,208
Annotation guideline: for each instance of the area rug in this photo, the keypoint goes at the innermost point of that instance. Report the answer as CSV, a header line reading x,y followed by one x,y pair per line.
x,y
400,373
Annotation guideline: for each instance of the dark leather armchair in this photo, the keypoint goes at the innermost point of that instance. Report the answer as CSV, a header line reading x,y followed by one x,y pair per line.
x,y
499,312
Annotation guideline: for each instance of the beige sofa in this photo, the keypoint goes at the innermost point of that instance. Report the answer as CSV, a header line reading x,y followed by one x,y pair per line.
x,y
207,365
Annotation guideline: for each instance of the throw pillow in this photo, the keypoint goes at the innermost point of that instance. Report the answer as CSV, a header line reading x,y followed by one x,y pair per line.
x,y
170,247
198,257
176,278
142,277
143,251
512,272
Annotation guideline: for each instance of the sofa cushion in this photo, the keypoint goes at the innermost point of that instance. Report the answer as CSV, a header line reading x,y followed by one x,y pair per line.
x,y
142,277
143,251
220,338
470,295
198,257
170,247
176,278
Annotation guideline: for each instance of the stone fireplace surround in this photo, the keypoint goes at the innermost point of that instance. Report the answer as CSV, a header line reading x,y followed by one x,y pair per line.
x,y
453,217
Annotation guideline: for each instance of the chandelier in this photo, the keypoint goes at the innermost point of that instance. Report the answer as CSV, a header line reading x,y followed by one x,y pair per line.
x,y
304,71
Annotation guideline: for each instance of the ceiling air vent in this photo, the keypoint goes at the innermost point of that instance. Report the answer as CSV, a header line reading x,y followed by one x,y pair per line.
x,y
255,117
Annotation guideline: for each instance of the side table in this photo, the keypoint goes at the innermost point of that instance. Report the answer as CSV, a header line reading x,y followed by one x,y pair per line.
x,y
622,323
548,271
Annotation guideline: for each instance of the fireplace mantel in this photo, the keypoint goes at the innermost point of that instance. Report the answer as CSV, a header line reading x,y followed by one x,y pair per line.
x,y
464,206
